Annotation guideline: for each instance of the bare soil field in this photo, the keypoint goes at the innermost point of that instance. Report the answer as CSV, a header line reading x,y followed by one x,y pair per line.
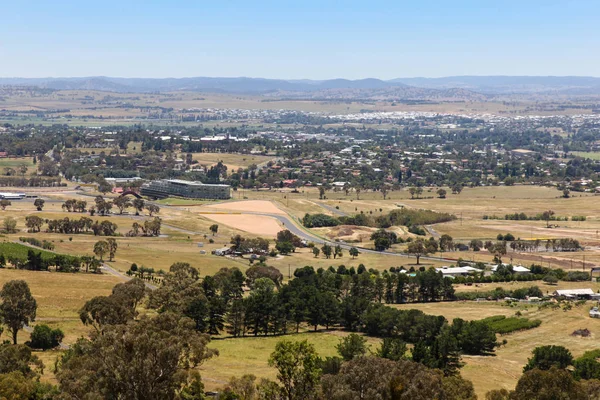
x,y
262,206
255,224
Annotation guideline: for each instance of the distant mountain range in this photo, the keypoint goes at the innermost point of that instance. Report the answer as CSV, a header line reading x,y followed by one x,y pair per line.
x,y
454,87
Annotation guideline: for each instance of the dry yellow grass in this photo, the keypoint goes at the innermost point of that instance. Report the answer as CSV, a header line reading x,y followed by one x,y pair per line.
x,y
254,224
60,296
504,369
250,355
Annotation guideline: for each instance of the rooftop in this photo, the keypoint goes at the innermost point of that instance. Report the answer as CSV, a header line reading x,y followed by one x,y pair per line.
x,y
575,292
192,183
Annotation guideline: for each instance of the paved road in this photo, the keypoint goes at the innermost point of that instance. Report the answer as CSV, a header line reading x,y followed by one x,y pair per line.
x,y
332,209
289,223
305,234
433,232
110,270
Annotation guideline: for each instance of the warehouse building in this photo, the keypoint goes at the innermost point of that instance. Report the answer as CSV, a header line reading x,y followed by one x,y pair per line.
x,y
179,188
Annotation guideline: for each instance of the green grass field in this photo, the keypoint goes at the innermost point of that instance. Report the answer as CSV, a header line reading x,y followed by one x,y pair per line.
x,y
231,160
250,355
20,250
592,155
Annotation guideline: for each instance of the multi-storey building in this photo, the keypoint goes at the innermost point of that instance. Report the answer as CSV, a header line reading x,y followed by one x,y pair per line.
x,y
177,187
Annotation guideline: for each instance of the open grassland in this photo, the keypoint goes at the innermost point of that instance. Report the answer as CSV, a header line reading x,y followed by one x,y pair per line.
x,y
178,201
261,206
183,231
60,296
239,356
470,206
187,221
545,288
504,369
379,262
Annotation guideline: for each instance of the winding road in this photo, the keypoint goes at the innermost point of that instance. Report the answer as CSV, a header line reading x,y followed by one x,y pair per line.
x,y
305,234
286,220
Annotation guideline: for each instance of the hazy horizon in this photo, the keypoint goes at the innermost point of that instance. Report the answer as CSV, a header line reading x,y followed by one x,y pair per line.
x,y
299,78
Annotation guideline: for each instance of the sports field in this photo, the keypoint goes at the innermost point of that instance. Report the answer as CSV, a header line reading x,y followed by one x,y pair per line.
x,y
231,160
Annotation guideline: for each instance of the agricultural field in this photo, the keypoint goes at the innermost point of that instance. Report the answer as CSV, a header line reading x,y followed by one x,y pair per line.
x,y
84,103
20,250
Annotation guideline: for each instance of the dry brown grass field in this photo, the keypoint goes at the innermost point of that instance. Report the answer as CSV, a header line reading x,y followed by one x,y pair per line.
x,y
504,369
239,356
61,295
470,206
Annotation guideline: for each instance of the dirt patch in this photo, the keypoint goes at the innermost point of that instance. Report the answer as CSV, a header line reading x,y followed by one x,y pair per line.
x,y
582,332
256,224
249,205
348,233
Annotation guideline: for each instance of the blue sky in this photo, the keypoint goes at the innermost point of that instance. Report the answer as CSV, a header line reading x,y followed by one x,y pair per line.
x,y
299,39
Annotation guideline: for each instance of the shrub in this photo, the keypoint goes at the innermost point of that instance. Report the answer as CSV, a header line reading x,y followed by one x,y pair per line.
x,y
417,230
577,276
319,220
503,325
43,337
31,241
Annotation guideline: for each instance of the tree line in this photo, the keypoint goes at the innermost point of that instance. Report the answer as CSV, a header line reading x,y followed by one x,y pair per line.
x,y
402,217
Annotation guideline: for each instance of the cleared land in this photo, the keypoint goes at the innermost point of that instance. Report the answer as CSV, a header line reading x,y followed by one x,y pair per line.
x,y
255,224
261,206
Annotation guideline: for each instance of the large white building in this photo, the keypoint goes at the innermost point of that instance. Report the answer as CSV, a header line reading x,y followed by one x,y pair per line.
x,y
180,188
577,294
453,272
517,269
